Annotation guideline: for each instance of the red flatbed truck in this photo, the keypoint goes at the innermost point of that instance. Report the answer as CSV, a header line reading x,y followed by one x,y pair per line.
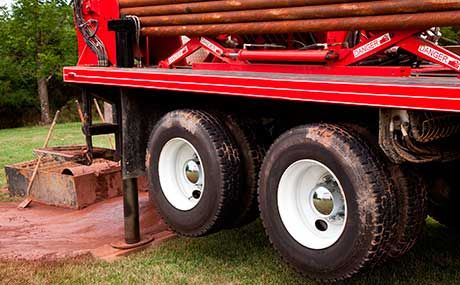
x,y
343,147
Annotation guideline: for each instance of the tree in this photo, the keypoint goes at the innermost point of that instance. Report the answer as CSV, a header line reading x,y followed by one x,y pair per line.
x,y
38,39
451,33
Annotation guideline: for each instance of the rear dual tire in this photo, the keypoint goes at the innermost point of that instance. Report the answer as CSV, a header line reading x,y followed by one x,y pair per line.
x,y
362,191
193,167
246,136
411,203
203,171
326,199
444,197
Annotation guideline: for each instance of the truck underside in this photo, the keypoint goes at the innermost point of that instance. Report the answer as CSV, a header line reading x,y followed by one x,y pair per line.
x,y
343,140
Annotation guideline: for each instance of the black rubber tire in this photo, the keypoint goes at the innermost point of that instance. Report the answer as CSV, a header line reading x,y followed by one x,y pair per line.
x,y
369,201
411,195
246,136
442,212
444,197
410,192
221,162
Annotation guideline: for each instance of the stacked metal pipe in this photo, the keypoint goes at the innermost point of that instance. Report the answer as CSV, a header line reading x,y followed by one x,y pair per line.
x,y
205,17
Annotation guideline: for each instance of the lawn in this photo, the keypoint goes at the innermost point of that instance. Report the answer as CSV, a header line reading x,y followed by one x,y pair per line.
x,y
242,256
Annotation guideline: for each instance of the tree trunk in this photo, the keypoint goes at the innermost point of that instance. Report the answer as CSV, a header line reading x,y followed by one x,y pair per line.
x,y
44,102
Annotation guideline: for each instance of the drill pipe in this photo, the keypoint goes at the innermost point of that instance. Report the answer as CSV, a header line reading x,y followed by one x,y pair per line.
x,y
370,23
220,6
306,12
140,3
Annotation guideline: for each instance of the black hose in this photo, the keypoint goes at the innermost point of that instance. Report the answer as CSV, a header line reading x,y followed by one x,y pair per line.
x,y
89,35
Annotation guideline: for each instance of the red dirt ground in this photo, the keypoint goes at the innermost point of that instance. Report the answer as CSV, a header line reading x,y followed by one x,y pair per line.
x,y
43,232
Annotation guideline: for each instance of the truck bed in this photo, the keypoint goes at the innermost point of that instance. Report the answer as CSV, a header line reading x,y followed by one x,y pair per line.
x,y
421,92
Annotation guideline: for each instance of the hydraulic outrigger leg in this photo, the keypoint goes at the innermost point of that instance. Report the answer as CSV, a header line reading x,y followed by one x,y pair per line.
x,y
131,211
130,190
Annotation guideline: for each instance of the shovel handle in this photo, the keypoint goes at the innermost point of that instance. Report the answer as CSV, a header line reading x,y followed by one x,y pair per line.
x,y
48,136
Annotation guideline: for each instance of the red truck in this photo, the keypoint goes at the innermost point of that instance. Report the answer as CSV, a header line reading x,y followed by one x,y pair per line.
x,y
334,121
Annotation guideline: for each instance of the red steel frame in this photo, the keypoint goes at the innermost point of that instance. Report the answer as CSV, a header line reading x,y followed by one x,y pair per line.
x,y
407,93
334,59
327,76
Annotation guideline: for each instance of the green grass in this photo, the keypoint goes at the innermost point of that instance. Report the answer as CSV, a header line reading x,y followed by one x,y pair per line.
x,y
242,256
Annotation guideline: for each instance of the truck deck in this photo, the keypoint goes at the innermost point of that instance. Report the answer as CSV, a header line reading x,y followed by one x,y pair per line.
x,y
437,93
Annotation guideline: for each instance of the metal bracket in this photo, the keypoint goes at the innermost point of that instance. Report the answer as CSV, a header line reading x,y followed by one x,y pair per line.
x,y
192,46
371,47
431,52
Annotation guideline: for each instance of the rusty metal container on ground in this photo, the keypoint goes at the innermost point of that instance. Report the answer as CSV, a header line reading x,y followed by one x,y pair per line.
x,y
65,180
66,184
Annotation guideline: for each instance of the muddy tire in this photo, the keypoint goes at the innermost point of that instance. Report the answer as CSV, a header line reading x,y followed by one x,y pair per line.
x,y
305,227
411,195
193,169
444,197
246,136
444,214
410,202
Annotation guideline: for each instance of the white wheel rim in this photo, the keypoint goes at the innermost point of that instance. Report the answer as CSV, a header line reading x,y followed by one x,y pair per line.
x,y
181,174
312,204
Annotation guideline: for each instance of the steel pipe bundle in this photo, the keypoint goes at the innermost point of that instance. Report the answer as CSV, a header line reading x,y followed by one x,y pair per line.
x,y
141,3
371,23
285,16
220,6
305,12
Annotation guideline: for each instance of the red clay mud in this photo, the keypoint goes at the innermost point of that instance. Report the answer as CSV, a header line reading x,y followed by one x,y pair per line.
x,y
45,232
